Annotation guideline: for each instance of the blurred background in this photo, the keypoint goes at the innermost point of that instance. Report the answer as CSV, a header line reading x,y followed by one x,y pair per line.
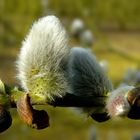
x,y
111,29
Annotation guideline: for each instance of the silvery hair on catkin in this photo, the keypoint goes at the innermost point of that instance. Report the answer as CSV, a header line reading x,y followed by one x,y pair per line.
x,y
86,77
44,53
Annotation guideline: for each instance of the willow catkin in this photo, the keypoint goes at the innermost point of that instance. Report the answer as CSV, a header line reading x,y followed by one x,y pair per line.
x,y
42,61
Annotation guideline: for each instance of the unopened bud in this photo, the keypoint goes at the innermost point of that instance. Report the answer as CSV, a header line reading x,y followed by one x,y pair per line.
x,y
38,119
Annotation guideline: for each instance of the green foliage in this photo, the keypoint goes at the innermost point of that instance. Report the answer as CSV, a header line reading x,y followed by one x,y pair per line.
x,y
120,13
15,18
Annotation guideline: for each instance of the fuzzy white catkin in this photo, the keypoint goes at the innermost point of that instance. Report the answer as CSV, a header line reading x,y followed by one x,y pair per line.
x,y
77,27
86,77
117,103
43,58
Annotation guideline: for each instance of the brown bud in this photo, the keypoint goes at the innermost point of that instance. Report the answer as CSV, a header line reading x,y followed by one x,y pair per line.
x,y
5,119
38,119
134,97
134,100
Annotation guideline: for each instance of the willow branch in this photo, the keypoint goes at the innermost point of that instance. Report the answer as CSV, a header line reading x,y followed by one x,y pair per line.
x,y
68,100
71,100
